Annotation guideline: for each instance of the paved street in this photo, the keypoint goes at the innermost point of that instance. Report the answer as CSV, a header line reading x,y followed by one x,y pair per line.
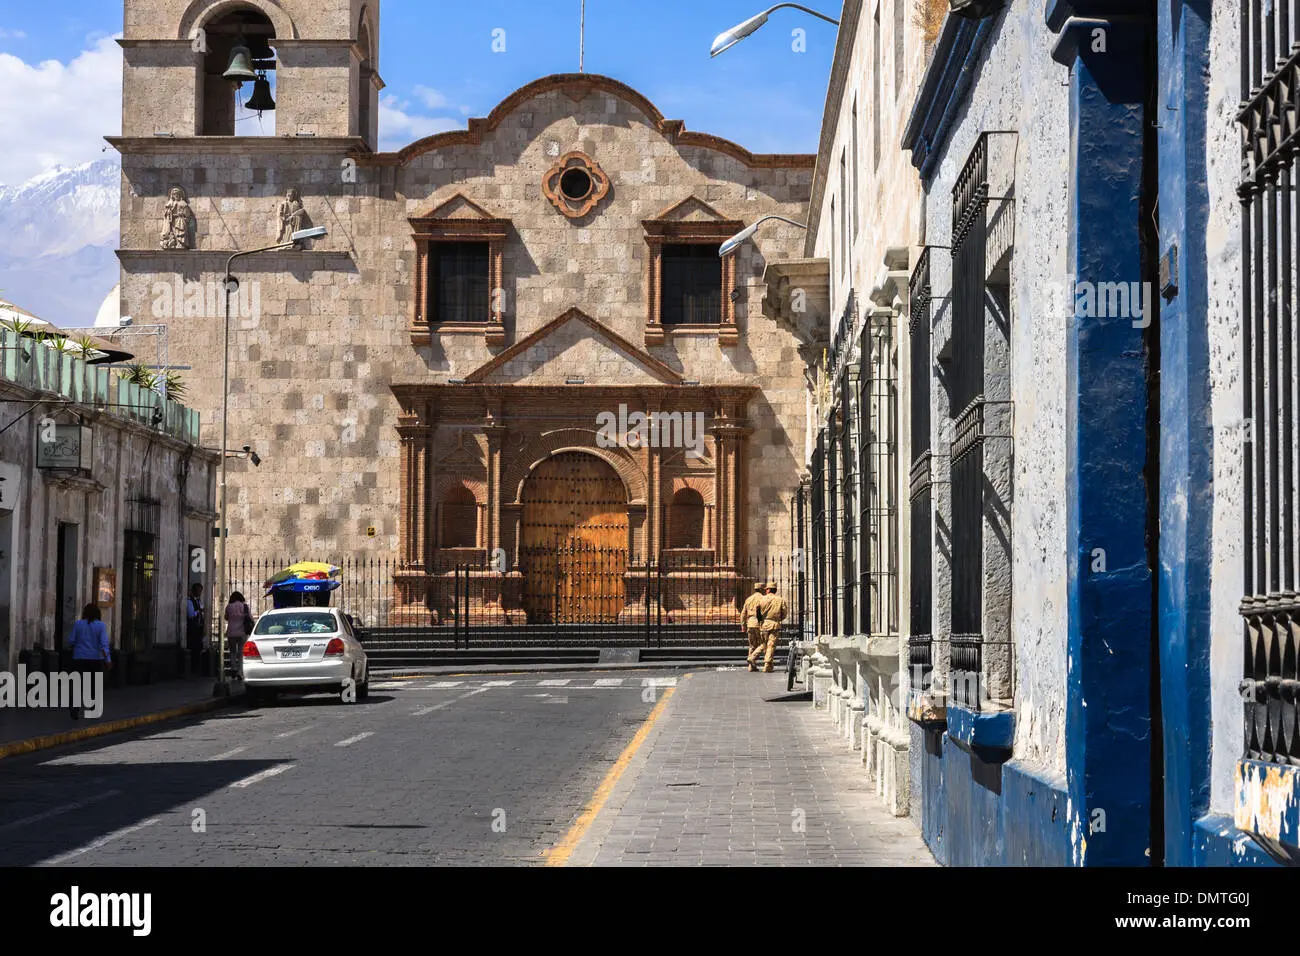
x,y
413,776
738,772
486,769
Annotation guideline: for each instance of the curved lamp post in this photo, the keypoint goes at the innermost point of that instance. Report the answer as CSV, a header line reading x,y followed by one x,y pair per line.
x,y
745,234
729,38
222,688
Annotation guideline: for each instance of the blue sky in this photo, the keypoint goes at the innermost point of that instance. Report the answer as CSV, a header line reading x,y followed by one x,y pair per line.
x,y
436,57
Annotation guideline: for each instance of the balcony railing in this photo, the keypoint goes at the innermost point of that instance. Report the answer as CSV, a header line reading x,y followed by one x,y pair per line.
x,y
33,365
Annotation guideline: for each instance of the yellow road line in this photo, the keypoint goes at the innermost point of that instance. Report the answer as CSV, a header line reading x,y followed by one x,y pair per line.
x,y
86,733
560,853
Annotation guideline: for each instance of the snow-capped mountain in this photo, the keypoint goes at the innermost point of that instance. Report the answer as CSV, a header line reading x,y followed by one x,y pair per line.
x,y
58,234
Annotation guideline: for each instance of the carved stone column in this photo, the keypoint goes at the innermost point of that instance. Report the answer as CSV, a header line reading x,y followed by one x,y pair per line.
x,y
411,581
730,467
414,435
496,437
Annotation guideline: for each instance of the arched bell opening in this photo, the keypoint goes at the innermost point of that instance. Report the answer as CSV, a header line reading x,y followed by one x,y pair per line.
x,y
237,74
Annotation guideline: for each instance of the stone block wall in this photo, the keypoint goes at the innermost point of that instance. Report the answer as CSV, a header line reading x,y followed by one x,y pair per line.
x,y
319,336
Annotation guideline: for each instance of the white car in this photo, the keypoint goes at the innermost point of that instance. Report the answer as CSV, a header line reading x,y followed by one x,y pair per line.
x,y
312,649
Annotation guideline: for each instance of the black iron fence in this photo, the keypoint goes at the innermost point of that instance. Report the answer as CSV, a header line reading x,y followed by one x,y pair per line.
x,y
578,592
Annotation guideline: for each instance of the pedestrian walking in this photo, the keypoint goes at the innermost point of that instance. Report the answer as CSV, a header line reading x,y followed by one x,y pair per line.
x,y
773,611
195,625
239,627
92,652
751,624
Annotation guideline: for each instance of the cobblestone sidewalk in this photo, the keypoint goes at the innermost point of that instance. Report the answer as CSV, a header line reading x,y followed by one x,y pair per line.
x,y
738,772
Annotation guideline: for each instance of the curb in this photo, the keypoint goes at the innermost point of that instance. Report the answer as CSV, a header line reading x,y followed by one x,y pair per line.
x,y
32,744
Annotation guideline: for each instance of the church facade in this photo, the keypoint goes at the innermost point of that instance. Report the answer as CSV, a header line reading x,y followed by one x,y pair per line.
x,y
514,339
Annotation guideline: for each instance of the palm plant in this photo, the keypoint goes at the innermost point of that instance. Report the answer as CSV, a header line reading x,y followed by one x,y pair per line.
x,y
175,385
138,374
85,344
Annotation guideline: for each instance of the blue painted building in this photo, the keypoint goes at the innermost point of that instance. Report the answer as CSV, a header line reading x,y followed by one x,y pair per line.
x,y
1102,519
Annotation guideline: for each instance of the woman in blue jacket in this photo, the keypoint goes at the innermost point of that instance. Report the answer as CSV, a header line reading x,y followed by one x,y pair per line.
x,y
91,650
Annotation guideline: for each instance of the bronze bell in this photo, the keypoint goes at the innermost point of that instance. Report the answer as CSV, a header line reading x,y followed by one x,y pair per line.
x,y
260,101
240,69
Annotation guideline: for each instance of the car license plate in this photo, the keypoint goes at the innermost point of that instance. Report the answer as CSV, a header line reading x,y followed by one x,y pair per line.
x,y
289,653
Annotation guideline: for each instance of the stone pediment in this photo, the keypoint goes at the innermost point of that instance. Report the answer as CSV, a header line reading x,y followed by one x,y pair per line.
x,y
574,345
458,206
690,209
691,219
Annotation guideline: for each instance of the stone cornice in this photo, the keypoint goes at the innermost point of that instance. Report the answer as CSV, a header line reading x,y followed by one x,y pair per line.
x,y
410,394
214,260
577,86
944,87
234,145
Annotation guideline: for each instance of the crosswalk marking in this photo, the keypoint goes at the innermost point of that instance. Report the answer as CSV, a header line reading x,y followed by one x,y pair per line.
x,y
599,683
388,685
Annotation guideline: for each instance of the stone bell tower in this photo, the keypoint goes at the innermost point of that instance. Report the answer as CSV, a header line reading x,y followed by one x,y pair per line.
x,y
320,58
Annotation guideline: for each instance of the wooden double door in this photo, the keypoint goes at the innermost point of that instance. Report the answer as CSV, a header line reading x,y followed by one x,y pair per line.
x,y
575,541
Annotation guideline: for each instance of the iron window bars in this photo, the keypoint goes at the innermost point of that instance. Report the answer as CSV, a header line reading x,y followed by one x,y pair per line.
x,y
921,613
878,454
1271,436
969,234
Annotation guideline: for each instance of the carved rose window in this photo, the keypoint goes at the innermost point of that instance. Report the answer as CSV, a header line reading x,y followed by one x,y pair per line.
x,y
575,185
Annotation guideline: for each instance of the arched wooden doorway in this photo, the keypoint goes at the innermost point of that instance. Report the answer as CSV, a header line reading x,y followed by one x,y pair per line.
x,y
574,548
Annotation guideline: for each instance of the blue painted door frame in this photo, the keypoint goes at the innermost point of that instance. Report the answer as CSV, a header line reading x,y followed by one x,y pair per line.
x,y
1108,715
1186,438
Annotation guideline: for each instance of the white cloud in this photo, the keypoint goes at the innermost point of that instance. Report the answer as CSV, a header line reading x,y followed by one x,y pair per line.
x,y
57,114
12,34
431,98
398,127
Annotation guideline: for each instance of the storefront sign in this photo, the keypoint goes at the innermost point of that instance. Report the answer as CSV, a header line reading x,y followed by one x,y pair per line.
x,y
65,447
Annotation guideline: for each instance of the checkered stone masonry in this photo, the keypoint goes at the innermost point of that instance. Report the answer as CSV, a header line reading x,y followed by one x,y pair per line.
x,y
320,336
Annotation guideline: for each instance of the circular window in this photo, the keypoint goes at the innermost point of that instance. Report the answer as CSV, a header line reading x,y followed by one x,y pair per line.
x,y
576,184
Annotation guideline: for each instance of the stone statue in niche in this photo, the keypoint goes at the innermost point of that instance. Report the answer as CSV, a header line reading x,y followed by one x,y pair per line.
x,y
290,214
179,230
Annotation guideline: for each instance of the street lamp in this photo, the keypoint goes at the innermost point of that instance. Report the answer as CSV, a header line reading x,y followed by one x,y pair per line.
x,y
222,688
745,234
729,38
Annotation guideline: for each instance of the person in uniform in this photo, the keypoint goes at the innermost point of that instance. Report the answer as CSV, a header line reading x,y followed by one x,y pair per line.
x,y
773,610
749,623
